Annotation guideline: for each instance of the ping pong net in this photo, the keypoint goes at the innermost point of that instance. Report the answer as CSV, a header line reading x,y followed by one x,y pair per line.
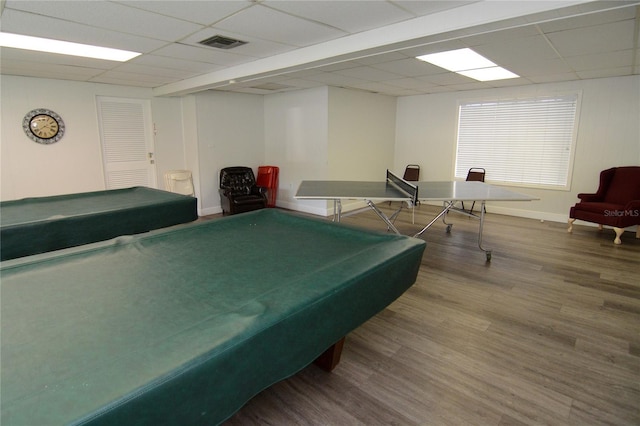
x,y
403,186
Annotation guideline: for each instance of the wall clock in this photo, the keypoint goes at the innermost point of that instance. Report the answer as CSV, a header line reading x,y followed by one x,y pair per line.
x,y
43,126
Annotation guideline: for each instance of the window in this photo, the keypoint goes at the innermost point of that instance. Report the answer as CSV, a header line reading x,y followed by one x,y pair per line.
x,y
526,142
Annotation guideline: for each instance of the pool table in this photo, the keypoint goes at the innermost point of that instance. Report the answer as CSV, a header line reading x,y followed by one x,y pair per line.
x,y
184,325
37,225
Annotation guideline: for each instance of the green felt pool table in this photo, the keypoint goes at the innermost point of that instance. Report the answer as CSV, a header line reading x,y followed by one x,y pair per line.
x,y
38,225
185,325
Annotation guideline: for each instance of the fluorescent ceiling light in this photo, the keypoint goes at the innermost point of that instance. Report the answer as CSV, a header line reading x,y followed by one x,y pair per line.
x,y
489,74
65,48
468,63
458,60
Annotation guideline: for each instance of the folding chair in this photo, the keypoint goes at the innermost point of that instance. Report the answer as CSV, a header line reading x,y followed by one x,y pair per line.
x,y
412,174
475,174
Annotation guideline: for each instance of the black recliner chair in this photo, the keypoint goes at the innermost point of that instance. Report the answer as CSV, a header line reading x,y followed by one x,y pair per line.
x,y
239,192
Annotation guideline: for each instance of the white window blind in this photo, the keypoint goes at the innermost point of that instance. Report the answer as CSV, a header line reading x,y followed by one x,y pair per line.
x,y
127,142
123,131
521,141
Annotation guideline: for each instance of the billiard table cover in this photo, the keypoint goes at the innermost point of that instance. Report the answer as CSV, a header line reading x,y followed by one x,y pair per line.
x,y
185,325
38,225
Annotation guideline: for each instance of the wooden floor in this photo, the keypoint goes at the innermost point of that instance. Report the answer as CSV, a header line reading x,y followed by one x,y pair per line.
x,y
547,333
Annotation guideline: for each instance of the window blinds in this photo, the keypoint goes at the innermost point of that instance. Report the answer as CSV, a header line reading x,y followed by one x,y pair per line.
x,y
127,142
123,131
523,141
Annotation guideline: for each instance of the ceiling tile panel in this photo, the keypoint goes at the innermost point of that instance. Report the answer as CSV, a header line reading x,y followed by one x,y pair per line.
x,y
410,83
589,20
446,79
369,73
473,85
551,78
171,63
616,59
410,67
301,83
255,47
200,12
605,72
348,16
420,8
384,89
44,60
269,24
124,81
494,37
509,82
532,67
111,16
333,79
167,74
150,80
380,58
54,71
439,89
19,22
594,39
516,49
584,40
201,54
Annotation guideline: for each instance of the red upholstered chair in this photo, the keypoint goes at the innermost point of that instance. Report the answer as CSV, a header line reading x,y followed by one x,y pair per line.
x,y
616,204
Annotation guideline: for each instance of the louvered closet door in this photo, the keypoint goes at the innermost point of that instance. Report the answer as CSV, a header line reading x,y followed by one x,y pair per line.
x,y
127,142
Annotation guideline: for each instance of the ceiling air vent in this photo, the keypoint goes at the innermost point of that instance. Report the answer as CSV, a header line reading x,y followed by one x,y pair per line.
x,y
221,42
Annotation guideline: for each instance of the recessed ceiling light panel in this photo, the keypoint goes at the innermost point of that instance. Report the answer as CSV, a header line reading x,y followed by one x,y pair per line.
x,y
468,63
458,60
18,41
489,74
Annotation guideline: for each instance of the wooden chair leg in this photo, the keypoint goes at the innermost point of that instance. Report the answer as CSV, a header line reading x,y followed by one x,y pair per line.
x,y
619,232
570,229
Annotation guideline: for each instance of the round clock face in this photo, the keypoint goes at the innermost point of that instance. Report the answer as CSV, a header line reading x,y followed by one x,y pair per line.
x,y
43,126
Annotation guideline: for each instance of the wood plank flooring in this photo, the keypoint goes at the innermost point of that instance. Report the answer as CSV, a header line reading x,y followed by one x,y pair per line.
x,y
547,333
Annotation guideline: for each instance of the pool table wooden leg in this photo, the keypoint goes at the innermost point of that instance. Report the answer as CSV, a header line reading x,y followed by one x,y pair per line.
x,y
331,357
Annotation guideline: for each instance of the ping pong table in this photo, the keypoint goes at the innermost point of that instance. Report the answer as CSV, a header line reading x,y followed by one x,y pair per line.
x,y
394,188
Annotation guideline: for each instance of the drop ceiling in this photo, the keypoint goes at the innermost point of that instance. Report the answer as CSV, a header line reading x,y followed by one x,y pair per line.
x,y
292,45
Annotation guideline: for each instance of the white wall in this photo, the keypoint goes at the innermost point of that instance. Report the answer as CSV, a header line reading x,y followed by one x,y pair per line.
x,y
190,137
230,132
74,164
321,133
169,136
361,134
361,137
608,136
296,141
327,134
